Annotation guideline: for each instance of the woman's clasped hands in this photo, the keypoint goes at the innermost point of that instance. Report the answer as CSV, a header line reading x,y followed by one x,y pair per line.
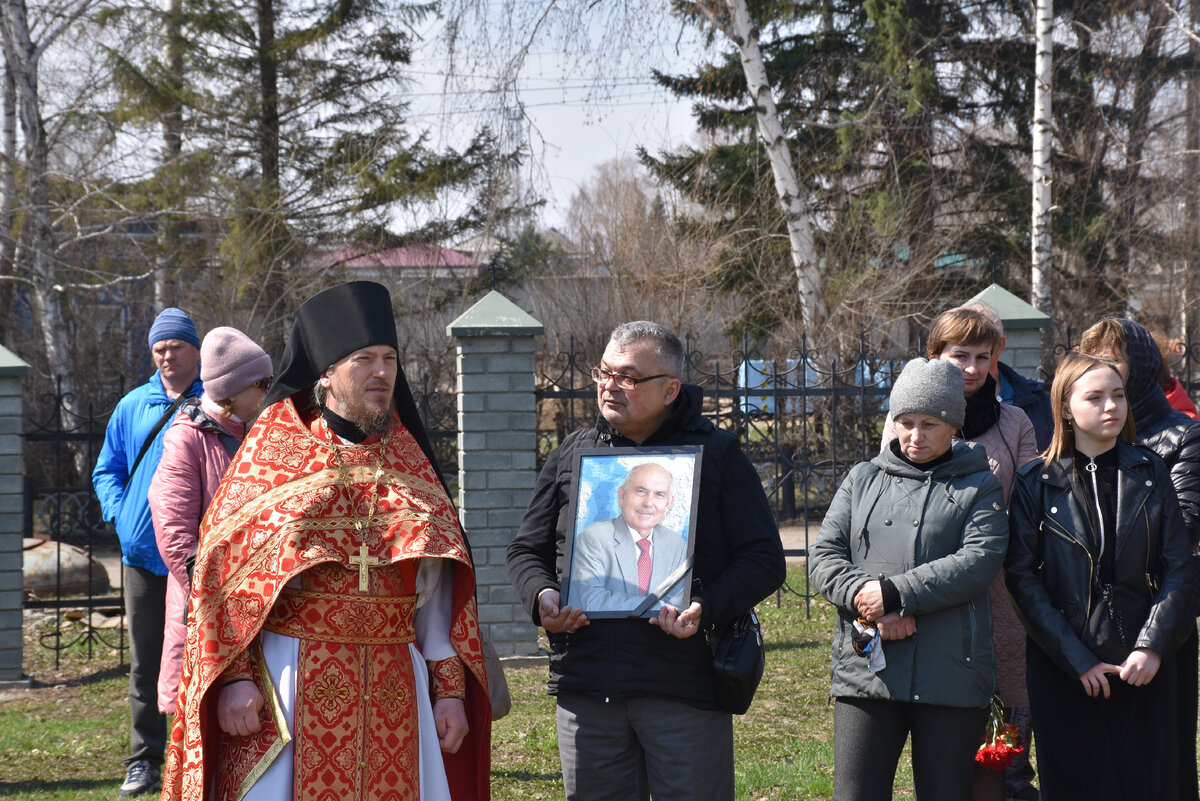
x,y
1138,669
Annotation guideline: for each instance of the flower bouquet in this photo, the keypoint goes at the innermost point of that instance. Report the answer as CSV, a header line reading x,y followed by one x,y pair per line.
x,y
999,744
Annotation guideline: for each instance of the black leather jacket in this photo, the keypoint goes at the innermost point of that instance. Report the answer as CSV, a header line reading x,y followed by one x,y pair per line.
x,y
1175,437
1051,572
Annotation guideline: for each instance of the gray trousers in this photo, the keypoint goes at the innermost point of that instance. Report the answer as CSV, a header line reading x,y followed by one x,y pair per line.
x,y
145,613
868,738
633,749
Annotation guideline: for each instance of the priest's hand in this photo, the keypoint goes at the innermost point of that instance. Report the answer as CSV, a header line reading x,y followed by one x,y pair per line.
x,y
238,708
557,619
450,719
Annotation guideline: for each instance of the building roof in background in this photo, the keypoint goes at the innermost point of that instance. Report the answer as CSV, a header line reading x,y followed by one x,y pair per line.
x,y
484,247
406,257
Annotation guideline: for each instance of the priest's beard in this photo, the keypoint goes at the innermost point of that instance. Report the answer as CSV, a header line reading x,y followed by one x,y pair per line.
x,y
370,419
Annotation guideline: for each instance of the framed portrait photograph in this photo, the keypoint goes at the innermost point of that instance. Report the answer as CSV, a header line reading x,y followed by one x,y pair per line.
x,y
633,535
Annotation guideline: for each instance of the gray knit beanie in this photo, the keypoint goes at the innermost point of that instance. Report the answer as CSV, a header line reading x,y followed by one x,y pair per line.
x,y
230,362
930,386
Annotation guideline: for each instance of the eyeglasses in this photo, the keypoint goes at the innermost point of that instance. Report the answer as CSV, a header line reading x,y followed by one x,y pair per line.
x,y
622,380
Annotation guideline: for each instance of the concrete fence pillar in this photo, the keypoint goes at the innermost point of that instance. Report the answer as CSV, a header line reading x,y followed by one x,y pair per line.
x,y
12,369
497,445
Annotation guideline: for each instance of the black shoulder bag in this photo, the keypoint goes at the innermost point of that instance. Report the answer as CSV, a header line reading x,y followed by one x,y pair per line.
x,y
738,661
739,656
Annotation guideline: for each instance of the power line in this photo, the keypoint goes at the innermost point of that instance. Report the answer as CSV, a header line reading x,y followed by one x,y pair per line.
x,y
589,87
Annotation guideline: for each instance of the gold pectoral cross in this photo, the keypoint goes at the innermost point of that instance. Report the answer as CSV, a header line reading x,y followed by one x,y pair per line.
x,y
365,563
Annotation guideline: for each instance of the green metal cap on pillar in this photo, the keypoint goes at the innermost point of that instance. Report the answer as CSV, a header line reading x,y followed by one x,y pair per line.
x,y
11,364
494,315
1013,312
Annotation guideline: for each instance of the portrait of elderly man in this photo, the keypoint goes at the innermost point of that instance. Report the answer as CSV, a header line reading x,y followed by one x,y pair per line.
x,y
618,562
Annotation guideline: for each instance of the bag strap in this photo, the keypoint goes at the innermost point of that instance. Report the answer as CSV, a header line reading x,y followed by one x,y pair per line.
x,y
230,442
162,421
667,585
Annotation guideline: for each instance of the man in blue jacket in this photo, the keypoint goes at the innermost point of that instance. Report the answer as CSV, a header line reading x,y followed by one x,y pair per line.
x,y
127,462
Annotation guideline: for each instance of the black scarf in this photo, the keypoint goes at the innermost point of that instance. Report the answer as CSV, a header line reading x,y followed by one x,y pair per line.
x,y
1147,402
983,410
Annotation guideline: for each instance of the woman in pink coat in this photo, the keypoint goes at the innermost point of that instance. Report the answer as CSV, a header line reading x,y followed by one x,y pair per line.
x,y
197,449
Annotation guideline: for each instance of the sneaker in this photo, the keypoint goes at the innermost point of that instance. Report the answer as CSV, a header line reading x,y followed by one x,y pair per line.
x,y
142,776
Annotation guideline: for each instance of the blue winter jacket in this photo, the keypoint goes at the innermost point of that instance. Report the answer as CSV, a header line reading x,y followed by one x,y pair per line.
x,y
126,506
1032,397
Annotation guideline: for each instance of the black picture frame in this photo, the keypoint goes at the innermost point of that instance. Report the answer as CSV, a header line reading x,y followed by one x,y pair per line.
x,y
601,556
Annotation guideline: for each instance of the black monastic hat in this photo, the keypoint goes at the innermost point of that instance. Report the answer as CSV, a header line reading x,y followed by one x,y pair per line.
x,y
335,323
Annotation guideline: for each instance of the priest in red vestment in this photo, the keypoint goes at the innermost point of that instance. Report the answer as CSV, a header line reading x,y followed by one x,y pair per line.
x,y
333,647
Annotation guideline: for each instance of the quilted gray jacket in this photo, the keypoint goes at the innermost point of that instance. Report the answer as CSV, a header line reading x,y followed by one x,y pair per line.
x,y
940,536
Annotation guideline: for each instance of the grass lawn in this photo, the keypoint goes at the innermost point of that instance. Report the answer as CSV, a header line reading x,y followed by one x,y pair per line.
x,y
66,738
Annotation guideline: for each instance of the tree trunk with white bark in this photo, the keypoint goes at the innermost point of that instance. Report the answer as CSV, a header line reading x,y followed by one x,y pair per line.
x,y
732,17
22,57
1039,282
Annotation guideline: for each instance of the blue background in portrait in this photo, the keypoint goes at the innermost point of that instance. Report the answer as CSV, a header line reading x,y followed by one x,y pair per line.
x,y
600,476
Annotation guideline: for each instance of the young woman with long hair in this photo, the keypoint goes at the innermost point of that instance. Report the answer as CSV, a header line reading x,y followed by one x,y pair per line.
x,y
1098,567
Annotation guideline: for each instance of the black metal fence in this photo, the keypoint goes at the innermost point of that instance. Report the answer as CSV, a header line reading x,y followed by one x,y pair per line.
x,y
78,583
62,442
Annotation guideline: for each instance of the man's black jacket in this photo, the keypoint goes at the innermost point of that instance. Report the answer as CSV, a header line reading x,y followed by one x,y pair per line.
x,y
738,561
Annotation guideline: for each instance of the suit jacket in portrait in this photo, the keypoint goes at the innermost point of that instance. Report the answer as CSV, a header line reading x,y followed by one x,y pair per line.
x,y
604,566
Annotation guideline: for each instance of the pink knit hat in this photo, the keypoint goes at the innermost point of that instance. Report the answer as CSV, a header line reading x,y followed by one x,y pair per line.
x,y
230,362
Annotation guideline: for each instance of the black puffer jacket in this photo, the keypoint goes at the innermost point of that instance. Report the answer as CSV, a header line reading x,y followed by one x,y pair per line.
x,y
738,561
1172,435
1051,572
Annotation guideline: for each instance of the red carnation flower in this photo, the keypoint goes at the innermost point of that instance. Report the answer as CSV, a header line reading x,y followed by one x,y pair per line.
x,y
999,744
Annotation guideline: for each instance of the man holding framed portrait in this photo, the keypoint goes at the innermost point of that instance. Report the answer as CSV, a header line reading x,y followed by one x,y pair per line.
x,y
637,711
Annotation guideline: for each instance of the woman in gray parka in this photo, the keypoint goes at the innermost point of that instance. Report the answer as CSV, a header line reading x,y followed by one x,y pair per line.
x,y
910,544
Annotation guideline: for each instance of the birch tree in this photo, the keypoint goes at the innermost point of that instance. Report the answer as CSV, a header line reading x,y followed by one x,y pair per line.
x,y
1039,282
732,18
899,119
25,41
567,22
